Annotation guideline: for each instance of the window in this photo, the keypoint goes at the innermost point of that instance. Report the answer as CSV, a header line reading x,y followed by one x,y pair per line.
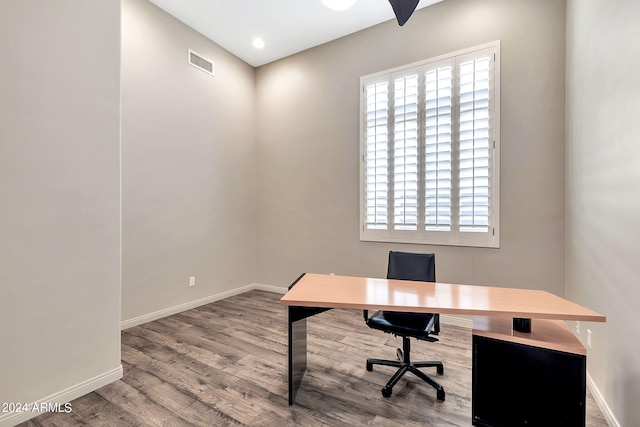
x,y
430,151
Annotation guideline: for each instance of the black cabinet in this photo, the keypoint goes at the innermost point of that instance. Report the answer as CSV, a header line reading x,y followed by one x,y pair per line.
x,y
516,384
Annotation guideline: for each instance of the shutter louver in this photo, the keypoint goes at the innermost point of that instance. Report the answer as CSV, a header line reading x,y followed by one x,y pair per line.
x,y
474,145
376,156
438,98
405,153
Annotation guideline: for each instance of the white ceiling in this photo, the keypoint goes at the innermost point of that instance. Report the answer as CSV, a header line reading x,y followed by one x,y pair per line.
x,y
286,26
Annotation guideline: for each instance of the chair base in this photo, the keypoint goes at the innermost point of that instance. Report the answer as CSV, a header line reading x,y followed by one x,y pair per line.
x,y
405,365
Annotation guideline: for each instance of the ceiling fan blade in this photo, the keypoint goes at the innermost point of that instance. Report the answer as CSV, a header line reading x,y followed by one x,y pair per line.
x,y
403,9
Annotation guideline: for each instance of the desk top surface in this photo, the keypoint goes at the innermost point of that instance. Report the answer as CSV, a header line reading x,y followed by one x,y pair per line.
x,y
329,291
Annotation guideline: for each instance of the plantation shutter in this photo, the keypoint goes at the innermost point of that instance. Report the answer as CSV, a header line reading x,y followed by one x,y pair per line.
x,y
474,145
405,153
430,151
438,139
376,155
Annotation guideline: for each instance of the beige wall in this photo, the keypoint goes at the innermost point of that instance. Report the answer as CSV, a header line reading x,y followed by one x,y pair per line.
x,y
252,175
188,161
307,146
59,199
603,191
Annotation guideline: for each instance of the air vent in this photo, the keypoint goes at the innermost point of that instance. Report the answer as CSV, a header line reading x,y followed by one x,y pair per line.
x,y
200,62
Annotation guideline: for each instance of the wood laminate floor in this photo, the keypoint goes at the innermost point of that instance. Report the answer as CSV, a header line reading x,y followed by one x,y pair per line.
x,y
225,363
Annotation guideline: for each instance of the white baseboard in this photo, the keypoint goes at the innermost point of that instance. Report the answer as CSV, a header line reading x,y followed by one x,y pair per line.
x,y
270,288
62,397
183,307
602,404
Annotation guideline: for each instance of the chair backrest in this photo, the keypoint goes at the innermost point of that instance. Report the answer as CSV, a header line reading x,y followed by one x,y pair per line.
x,y
411,266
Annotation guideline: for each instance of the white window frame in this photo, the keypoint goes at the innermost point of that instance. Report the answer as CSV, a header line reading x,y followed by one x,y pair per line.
x,y
454,236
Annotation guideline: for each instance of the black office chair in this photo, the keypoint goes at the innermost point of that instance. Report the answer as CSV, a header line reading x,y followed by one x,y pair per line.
x,y
408,266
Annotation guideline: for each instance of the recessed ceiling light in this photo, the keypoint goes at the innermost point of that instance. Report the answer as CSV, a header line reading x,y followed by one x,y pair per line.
x,y
338,4
258,43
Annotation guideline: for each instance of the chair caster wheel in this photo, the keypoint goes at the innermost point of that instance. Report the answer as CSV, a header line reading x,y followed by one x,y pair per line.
x,y
440,370
386,391
369,366
441,395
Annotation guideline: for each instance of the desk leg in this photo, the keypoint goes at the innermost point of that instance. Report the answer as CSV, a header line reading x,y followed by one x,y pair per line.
x,y
298,343
297,352
298,346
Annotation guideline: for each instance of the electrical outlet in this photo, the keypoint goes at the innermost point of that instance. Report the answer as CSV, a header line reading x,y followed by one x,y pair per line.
x,y
589,338
577,327
192,281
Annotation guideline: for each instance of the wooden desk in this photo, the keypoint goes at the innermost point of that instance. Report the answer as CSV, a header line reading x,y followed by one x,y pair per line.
x,y
311,294
329,291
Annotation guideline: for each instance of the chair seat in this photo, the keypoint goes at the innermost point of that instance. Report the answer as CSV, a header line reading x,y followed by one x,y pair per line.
x,y
418,325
